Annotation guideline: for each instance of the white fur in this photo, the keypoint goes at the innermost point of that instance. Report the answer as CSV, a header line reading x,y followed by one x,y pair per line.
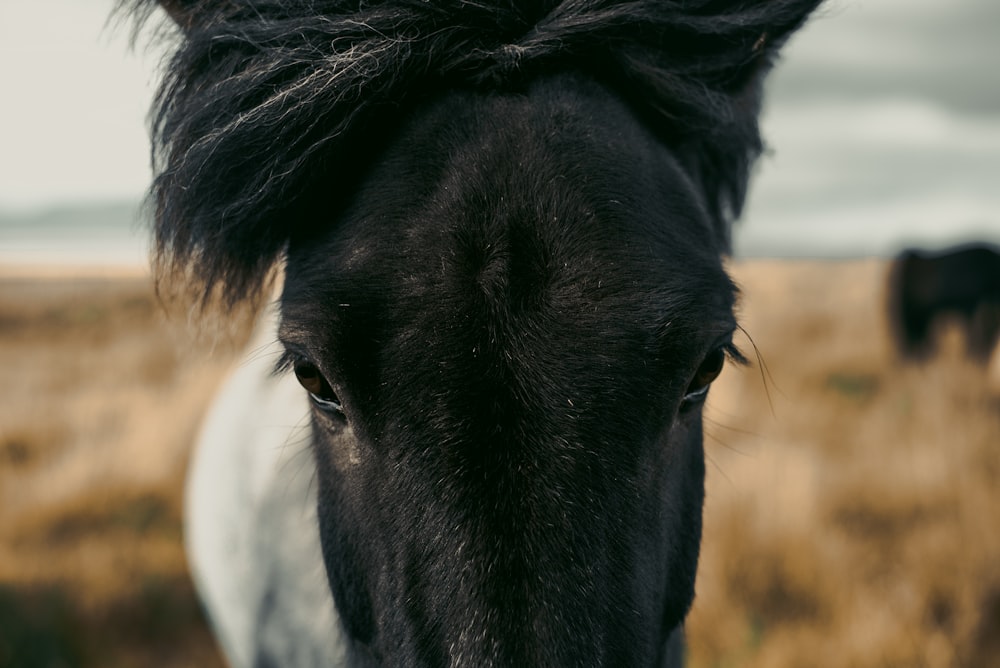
x,y
252,535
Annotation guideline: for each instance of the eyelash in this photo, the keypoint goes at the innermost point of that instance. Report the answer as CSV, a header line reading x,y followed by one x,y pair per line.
x,y
734,355
286,362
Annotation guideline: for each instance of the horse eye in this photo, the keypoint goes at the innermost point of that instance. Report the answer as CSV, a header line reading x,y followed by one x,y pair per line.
x,y
317,386
709,370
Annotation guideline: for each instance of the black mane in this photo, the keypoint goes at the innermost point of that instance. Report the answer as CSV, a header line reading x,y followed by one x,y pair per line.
x,y
271,106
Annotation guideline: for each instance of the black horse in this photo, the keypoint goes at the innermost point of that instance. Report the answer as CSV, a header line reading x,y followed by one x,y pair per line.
x,y
961,282
501,227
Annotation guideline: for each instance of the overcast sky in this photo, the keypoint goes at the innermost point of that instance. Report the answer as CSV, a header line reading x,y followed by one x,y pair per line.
x,y
72,121
883,119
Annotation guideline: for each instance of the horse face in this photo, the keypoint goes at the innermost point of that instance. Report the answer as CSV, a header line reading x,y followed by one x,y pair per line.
x,y
507,337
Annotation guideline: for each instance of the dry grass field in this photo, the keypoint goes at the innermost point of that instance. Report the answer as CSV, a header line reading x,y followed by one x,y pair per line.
x,y
853,508
852,519
98,406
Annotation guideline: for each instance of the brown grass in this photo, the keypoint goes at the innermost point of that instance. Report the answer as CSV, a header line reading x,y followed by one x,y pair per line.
x,y
852,515
99,406
853,503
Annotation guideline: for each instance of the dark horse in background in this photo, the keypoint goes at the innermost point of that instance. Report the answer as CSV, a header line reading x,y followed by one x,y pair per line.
x,y
961,282
501,227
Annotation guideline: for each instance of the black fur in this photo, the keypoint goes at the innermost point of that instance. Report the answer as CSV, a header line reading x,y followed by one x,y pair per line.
x,y
268,102
961,282
503,227
521,381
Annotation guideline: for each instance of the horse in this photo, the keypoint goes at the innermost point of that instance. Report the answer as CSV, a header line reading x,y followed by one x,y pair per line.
x,y
499,228
962,282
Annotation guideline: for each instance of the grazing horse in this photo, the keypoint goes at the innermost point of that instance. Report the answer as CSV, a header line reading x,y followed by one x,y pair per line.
x,y
501,226
961,282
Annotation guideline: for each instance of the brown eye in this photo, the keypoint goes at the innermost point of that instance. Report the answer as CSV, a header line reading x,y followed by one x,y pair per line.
x,y
317,386
709,370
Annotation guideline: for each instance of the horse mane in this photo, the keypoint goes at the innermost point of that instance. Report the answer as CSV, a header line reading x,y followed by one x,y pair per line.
x,y
269,105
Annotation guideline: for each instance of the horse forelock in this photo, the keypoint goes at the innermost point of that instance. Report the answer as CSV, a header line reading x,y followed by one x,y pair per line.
x,y
269,104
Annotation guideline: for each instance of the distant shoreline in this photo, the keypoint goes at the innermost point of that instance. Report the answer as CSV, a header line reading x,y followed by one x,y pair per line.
x,y
118,232
88,270
66,271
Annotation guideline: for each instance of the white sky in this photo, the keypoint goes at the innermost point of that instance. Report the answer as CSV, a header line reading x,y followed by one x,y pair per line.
x,y
74,101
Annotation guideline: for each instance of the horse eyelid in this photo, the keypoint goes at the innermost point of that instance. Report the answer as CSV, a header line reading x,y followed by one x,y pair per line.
x,y
697,394
328,405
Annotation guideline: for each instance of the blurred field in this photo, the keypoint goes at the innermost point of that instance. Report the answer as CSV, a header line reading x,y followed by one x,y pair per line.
x,y
98,406
853,512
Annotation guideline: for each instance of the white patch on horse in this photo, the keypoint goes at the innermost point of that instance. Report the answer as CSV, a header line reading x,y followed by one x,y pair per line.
x,y
252,535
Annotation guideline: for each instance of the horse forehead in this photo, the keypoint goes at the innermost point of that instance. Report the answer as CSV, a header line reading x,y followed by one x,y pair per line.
x,y
492,210
509,296
529,187
520,258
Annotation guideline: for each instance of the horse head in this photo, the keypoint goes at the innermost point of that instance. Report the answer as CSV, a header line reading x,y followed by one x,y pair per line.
x,y
502,229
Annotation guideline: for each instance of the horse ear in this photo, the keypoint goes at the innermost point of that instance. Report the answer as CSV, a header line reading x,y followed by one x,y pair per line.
x,y
701,74
766,37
